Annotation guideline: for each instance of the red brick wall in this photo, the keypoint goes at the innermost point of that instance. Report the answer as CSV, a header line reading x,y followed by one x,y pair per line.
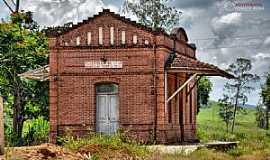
x,y
72,86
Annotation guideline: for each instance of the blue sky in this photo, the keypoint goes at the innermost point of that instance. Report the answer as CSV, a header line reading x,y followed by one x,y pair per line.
x,y
221,34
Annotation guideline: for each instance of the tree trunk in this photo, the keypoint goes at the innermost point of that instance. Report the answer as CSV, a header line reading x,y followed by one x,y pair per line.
x,y
2,139
235,108
267,117
17,114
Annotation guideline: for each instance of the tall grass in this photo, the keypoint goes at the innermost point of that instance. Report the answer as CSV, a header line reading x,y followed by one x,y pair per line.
x,y
104,144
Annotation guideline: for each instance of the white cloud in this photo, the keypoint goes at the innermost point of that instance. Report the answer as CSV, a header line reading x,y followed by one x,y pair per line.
x,y
231,18
51,12
261,56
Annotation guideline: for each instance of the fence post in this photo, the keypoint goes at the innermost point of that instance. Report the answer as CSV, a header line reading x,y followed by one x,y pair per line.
x,y
2,139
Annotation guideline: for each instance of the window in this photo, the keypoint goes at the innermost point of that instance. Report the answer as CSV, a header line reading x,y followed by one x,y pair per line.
x,y
123,37
89,38
135,39
100,35
106,88
78,40
112,35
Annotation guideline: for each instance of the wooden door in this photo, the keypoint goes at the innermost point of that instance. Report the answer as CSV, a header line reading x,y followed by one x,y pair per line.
x,y
107,109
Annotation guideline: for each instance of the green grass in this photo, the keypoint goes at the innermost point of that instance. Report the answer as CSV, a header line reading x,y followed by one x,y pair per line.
x,y
251,138
107,147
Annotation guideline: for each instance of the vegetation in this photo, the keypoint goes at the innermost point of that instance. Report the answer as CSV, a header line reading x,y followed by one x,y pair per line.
x,y
22,48
266,99
204,88
238,88
226,111
252,140
102,146
153,13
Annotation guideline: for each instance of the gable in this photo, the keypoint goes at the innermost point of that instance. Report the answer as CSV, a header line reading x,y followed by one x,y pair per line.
x,y
111,28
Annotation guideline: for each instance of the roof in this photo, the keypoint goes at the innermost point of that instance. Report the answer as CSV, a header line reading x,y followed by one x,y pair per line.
x,y
60,30
177,30
189,65
41,74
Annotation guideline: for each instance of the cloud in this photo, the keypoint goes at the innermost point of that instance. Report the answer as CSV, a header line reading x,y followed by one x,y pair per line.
x,y
226,26
58,12
194,3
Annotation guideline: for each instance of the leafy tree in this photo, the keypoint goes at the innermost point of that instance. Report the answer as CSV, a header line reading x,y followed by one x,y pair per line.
x,y
22,47
153,13
239,87
260,116
265,93
204,89
226,110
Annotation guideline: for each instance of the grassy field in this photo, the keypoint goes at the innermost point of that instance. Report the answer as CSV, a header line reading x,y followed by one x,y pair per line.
x,y
254,143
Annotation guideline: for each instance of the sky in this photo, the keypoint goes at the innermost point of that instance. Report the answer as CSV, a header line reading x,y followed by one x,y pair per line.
x,y
221,31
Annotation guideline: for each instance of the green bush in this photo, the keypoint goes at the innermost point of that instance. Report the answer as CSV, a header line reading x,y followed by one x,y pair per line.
x,y
36,131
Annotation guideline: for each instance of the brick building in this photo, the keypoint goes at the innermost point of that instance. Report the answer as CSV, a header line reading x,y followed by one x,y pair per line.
x,y
109,73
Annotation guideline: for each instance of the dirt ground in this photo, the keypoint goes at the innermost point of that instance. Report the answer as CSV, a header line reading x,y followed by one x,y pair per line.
x,y
41,152
53,152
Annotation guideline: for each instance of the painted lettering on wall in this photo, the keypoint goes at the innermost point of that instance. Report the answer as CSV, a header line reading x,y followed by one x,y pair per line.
x,y
103,64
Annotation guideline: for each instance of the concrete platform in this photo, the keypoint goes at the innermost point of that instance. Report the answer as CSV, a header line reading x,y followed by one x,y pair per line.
x,y
187,149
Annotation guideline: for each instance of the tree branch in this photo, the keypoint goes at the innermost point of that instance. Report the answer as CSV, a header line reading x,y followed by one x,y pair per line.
x,y
11,10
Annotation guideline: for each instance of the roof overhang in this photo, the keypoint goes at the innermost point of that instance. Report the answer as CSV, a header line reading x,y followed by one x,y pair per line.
x,y
188,65
41,74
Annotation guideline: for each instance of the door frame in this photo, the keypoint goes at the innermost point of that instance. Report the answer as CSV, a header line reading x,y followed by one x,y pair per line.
x,y
107,94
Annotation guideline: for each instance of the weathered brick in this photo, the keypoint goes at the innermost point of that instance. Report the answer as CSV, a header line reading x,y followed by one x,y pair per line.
x,y
141,82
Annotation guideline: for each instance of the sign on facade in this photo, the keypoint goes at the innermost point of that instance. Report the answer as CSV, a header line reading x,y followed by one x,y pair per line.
x,y
103,64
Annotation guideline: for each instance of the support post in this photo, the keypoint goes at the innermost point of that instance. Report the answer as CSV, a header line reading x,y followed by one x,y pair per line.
x,y
180,88
2,139
166,89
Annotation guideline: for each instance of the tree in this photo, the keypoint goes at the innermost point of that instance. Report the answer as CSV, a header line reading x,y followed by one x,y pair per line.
x,y
260,116
153,13
241,85
204,89
226,110
22,47
265,93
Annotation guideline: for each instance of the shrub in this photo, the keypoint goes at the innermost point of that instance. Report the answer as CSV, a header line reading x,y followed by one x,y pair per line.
x,y
103,143
36,131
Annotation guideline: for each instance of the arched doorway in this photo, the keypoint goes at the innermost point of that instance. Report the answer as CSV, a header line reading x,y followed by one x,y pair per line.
x,y
107,108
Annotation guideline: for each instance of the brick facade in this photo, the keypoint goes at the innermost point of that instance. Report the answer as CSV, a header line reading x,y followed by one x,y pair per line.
x,y
141,81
